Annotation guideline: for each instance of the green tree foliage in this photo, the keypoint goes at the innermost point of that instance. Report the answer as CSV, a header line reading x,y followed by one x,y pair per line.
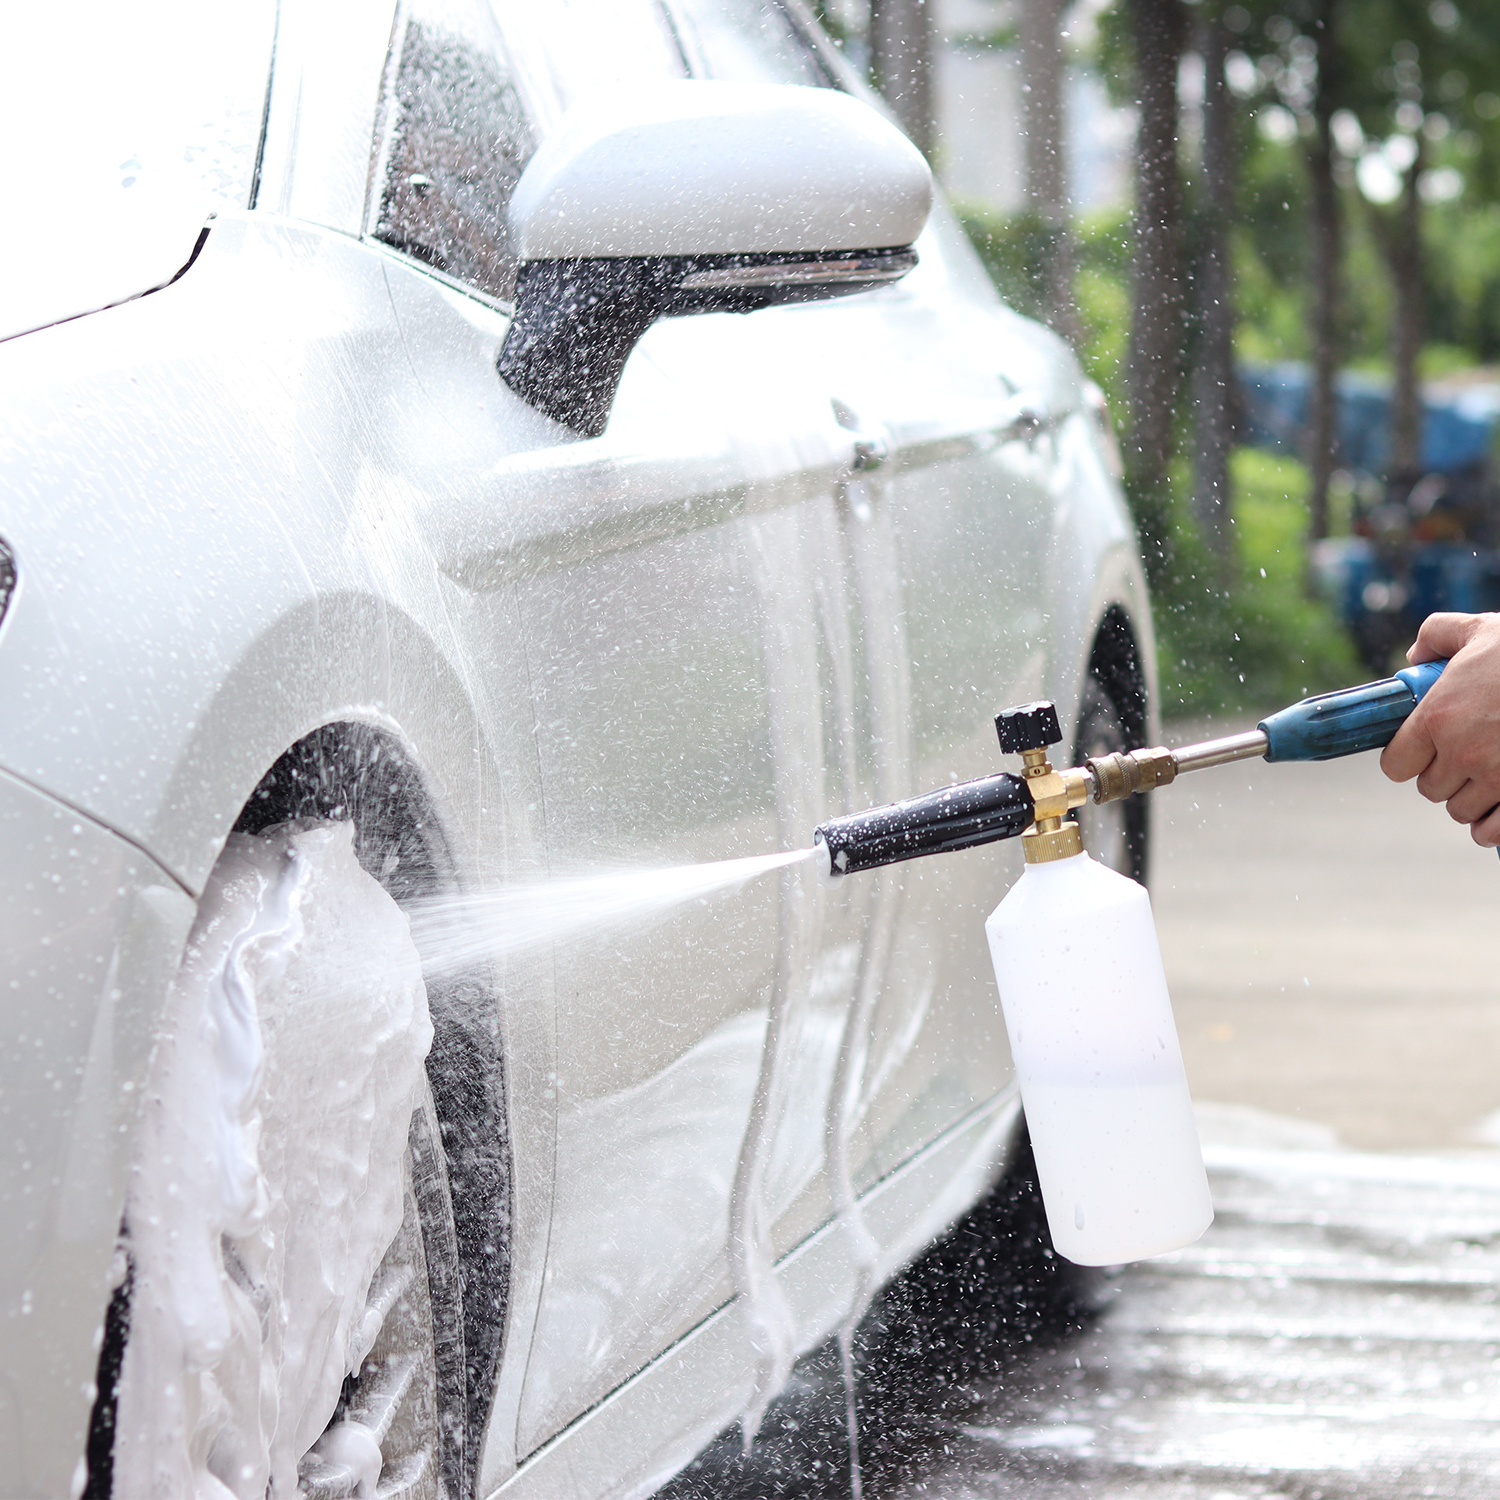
x,y
1412,70
1408,93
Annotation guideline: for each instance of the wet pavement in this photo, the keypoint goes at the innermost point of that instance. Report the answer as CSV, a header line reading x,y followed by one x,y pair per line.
x,y
1335,1334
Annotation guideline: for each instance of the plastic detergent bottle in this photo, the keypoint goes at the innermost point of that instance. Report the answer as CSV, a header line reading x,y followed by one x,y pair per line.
x,y
1095,1050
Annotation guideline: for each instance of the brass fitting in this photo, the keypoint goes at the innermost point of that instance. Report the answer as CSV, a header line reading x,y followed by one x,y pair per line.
x,y
1121,775
1101,778
1053,795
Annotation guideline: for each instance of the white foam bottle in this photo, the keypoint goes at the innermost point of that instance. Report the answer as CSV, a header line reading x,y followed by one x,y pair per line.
x,y
1096,1053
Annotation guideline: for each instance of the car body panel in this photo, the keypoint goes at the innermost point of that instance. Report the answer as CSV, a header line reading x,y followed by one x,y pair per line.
x,y
91,929
138,127
273,578
249,569
644,661
673,661
630,1444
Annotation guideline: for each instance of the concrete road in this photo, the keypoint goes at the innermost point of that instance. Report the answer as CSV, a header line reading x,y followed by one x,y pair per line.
x,y
1334,1336
1332,943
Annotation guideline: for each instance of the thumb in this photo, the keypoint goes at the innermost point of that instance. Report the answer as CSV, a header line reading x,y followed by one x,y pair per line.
x,y
1441,636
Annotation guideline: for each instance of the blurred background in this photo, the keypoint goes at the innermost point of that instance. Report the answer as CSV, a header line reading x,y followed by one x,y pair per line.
x,y
1272,231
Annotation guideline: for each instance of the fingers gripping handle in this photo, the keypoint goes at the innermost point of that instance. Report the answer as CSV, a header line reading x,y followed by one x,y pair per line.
x,y
1354,719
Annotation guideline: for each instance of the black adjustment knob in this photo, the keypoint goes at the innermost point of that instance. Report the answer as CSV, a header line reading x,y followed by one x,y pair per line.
x,y
1031,726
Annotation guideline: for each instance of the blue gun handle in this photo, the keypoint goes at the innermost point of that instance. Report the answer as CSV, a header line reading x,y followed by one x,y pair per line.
x,y
1353,719
1419,679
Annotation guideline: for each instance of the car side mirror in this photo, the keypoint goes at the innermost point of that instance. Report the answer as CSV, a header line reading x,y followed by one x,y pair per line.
x,y
699,197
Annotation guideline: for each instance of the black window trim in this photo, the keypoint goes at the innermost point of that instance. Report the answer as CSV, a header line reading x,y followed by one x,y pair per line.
x,y
382,140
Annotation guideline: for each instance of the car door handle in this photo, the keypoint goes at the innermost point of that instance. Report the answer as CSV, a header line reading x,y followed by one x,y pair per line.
x,y
871,446
871,450
1025,418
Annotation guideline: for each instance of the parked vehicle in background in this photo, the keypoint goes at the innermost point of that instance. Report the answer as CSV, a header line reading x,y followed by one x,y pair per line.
x,y
322,641
1413,548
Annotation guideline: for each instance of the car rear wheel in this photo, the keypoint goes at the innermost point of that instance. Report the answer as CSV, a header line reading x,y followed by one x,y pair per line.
x,y
1114,834
289,1318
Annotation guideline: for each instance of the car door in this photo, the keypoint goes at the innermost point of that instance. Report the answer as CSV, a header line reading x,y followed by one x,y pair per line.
x,y
954,528
669,584
957,385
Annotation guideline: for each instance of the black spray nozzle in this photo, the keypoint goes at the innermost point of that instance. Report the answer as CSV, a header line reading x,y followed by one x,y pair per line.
x,y
954,817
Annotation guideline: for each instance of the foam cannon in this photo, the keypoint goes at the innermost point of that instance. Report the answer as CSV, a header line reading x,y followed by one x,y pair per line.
x,y
1076,958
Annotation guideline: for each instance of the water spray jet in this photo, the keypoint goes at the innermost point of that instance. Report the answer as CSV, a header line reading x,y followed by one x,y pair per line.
x,y
1077,961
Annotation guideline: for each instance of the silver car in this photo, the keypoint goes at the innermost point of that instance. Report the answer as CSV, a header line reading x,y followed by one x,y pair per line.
x,y
479,483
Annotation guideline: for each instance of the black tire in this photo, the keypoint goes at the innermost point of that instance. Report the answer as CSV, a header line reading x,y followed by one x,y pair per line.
x,y
390,1413
1115,834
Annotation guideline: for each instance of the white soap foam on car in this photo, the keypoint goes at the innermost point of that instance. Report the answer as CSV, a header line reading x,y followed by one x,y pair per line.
x,y
270,1169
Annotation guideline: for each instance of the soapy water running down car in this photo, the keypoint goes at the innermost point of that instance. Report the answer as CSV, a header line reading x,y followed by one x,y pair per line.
x,y
460,462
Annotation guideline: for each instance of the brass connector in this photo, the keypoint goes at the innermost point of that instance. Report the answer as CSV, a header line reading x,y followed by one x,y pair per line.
x,y
1101,778
1049,794
1079,786
1122,775
1053,795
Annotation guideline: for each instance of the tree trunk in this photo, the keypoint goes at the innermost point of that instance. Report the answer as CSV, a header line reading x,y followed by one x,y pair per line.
x,y
1044,123
1153,369
1326,232
1409,282
1215,392
901,58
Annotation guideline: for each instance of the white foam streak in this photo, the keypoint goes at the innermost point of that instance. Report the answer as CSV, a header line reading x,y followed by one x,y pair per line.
x,y
269,1181
455,932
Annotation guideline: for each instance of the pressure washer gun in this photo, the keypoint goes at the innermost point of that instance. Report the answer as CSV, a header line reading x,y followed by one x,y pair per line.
x,y
1082,987
1037,803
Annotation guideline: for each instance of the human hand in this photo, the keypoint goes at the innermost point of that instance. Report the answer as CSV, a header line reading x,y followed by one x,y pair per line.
x,y
1451,740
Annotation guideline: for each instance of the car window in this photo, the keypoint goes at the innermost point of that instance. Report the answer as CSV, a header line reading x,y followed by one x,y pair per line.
x,y
747,41
455,137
